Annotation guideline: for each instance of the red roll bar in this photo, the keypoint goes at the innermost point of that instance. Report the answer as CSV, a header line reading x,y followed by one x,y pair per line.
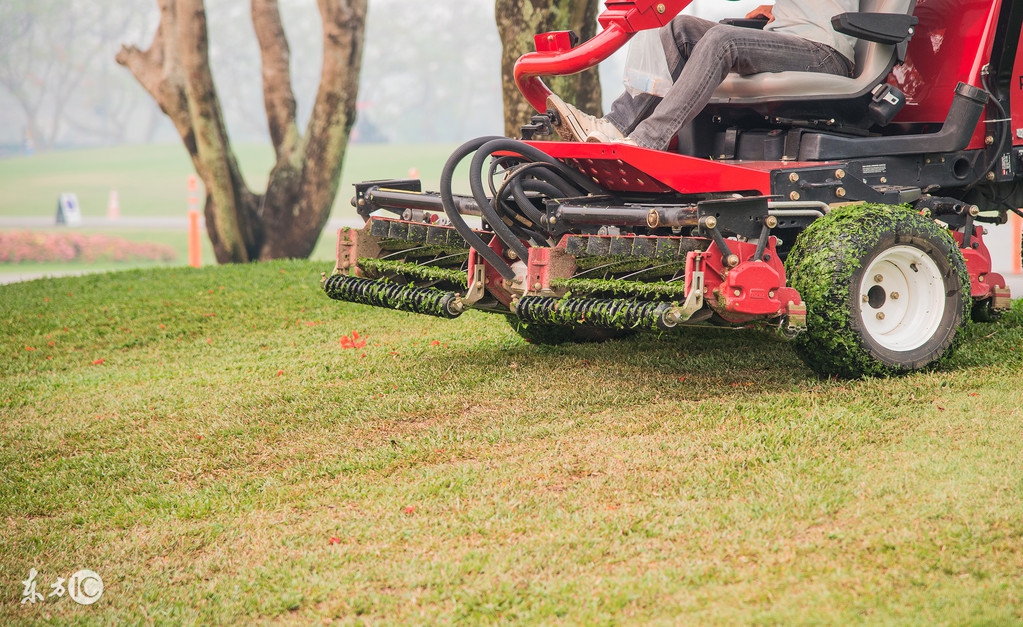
x,y
554,55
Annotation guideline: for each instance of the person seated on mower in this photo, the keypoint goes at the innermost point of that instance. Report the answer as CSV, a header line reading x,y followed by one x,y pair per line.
x,y
701,53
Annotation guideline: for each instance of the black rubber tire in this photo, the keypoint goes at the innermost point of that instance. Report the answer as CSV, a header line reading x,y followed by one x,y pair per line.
x,y
552,335
828,263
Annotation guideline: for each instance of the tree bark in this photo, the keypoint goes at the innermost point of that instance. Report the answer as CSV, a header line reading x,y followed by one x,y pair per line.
x,y
517,22
286,219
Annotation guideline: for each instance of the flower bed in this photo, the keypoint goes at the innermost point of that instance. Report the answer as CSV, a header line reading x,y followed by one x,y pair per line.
x,y
37,246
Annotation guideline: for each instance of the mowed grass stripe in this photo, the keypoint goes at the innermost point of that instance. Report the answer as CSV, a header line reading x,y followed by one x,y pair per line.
x,y
202,440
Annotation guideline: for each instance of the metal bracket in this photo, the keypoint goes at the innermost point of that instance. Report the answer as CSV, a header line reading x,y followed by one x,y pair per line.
x,y
794,320
539,125
1002,299
694,299
477,285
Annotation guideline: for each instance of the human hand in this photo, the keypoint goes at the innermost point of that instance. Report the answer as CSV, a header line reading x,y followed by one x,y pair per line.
x,y
764,10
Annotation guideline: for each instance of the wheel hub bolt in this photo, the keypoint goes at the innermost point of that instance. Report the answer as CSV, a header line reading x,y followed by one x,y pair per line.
x,y
880,315
878,278
895,296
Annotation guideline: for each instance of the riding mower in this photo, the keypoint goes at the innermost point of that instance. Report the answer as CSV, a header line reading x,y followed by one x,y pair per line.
x,y
846,212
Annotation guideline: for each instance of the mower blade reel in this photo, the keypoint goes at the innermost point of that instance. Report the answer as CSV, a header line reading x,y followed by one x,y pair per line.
x,y
421,300
613,313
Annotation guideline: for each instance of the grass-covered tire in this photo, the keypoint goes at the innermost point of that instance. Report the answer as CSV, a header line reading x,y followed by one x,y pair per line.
x,y
551,335
885,289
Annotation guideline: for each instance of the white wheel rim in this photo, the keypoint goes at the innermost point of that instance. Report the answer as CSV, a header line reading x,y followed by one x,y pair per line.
x,y
902,298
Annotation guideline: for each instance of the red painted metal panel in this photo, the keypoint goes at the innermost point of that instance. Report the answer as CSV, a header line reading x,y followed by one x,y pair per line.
x,y
952,43
1016,99
625,168
978,262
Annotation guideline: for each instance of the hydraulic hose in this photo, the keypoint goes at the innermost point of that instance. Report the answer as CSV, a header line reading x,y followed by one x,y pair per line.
x,y
549,176
489,211
448,201
575,177
518,194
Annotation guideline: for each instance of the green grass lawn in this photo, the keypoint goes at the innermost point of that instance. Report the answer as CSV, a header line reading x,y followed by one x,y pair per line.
x,y
151,179
202,441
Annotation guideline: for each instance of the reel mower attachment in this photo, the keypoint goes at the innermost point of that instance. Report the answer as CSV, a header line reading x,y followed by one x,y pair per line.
x,y
556,250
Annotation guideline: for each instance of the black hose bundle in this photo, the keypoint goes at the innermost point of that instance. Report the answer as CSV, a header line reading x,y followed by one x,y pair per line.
x,y
509,211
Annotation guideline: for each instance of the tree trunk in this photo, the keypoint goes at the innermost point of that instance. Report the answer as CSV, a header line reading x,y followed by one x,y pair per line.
x,y
285,220
517,22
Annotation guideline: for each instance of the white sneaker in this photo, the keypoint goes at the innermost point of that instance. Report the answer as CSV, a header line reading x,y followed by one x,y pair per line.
x,y
574,125
596,137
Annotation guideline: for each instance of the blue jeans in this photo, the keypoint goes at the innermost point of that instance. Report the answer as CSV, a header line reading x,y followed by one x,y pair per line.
x,y
700,55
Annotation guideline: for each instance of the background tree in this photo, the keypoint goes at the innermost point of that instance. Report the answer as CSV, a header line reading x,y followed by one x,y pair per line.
x,y
285,220
55,70
517,22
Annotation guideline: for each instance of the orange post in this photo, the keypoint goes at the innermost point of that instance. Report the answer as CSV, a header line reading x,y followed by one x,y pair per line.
x,y
1016,224
194,241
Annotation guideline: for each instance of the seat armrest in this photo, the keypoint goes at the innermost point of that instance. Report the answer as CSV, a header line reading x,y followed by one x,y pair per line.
x,y
746,22
883,28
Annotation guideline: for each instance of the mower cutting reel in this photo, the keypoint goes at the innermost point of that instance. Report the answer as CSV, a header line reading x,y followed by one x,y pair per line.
x,y
851,220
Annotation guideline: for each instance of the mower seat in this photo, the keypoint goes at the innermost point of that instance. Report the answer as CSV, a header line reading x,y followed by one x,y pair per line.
x,y
873,63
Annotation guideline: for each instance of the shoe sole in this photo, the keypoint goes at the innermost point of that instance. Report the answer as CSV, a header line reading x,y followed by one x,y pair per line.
x,y
567,125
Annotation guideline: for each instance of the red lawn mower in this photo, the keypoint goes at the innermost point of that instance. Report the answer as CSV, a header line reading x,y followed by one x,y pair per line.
x,y
846,212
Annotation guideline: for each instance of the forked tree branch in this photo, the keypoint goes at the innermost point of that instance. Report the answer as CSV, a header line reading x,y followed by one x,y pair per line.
x,y
278,97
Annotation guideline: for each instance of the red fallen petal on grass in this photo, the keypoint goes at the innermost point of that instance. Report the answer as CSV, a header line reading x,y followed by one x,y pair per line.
x,y
280,372
98,362
29,348
974,394
435,343
334,540
410,509
346,342
355,335
359,344
681,379
52,344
